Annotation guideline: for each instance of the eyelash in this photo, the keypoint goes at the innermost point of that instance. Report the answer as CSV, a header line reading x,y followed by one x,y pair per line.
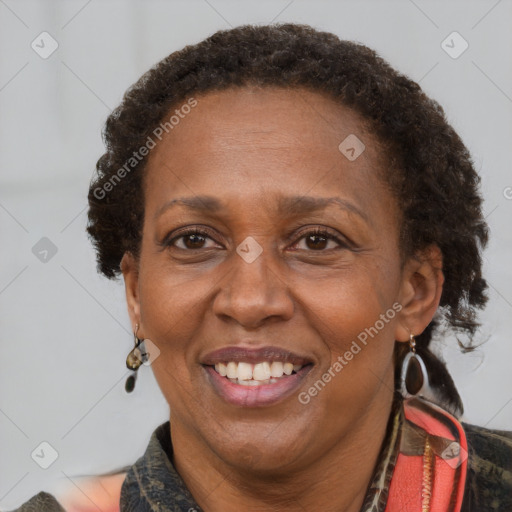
x,y
323,232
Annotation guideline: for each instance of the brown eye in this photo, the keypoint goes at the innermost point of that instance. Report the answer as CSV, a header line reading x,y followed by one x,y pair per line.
x,y
192,239
316,241
319,240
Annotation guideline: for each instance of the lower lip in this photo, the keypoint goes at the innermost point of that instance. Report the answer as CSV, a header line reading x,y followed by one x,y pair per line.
x,y
256,396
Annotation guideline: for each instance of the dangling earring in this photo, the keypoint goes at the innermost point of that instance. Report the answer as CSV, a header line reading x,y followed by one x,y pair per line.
x,y
134,360
414,377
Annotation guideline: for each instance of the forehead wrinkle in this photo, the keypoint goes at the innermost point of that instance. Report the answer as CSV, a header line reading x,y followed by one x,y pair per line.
x,y
256,139
287,205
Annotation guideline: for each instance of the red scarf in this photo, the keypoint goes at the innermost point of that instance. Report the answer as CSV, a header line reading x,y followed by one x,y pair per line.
x,y
430,470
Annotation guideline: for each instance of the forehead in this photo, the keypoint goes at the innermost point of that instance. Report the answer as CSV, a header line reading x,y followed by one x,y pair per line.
x,y
263,142
272,117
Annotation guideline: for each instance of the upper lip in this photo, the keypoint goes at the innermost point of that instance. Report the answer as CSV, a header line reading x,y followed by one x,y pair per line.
x,y
253,355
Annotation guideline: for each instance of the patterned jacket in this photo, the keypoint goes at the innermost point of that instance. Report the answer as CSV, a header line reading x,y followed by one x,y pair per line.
x,y
153,485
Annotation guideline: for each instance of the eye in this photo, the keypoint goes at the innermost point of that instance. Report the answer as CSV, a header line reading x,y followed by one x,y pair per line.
x,y
190,239
318,240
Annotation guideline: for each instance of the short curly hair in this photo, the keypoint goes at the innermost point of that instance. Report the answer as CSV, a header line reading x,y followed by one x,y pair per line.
x,y
432,174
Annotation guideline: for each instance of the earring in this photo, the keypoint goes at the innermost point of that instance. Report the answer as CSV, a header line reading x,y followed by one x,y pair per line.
x,y
414,376
134,359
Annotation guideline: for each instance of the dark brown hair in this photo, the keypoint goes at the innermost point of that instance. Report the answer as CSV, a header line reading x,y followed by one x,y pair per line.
x,y
432,174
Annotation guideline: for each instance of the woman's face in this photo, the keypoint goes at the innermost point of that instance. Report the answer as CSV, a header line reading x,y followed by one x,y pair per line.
x,y
256,172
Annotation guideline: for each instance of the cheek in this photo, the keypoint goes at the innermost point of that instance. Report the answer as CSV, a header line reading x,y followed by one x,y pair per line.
x,y
173,306
169,319
355,318
169,315
171,301
347,303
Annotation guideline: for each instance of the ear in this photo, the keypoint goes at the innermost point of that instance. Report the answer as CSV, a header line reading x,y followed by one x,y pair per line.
x,y
130,270
420,293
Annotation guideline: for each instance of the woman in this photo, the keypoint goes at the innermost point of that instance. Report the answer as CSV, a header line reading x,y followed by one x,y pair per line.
x,y
294,220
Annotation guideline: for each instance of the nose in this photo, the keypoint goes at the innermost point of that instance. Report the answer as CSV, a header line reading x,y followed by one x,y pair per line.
x,y
252,293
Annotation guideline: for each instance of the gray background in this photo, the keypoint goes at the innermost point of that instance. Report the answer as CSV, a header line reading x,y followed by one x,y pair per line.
x,y
64,330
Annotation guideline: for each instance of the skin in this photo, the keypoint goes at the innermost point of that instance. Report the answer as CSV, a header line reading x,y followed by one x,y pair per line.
x,y
248,147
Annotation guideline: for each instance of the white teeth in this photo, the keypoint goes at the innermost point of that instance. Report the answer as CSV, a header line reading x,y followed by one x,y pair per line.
x,y
288,368
245,371
276,369
255,374
251,382
221,368
232,370
261,371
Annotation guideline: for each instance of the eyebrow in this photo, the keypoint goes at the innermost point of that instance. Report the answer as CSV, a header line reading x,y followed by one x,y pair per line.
x,y
287,205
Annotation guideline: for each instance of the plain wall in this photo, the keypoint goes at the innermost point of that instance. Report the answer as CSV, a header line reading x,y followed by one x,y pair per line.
x,y
64,330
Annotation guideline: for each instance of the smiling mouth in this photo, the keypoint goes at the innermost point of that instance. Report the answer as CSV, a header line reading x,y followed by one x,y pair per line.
x,y
265,372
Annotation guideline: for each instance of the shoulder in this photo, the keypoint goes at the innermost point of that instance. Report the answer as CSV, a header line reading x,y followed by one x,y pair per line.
x,y
489,478
95,493
42,502
489,449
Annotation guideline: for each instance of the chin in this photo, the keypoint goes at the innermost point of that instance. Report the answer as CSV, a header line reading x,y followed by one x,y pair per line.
x,y
265,448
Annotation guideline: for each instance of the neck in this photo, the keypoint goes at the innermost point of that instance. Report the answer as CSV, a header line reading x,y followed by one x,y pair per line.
x,y
337,480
